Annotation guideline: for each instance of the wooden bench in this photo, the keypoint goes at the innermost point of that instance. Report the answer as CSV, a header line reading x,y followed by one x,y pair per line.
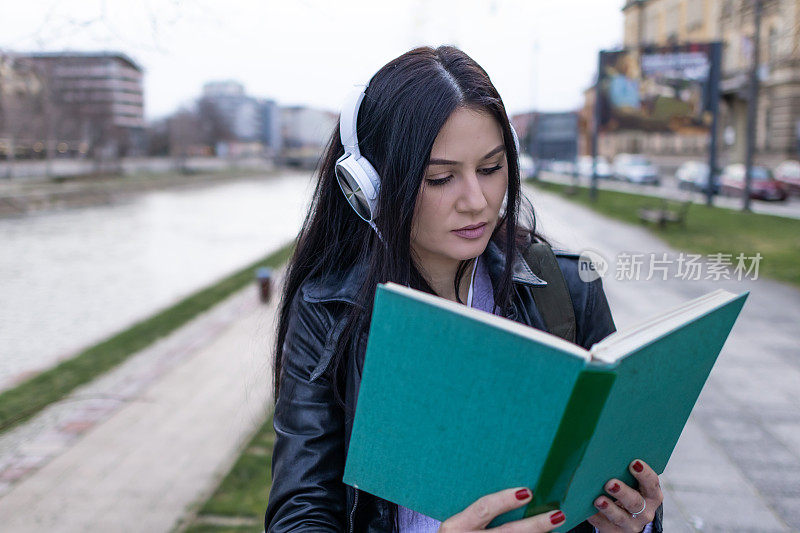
x,y
665,214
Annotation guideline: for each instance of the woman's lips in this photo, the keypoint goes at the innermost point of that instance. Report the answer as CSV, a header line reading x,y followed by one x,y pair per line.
x,y
471,232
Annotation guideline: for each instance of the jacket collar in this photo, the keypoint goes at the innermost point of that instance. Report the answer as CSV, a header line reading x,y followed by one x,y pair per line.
x,y
343,286
495,260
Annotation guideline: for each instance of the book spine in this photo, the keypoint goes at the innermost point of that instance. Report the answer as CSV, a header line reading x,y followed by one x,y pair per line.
x,y
572,437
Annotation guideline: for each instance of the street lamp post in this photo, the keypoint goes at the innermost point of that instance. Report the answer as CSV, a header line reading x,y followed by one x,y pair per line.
x,y
752,106
595,129
714,75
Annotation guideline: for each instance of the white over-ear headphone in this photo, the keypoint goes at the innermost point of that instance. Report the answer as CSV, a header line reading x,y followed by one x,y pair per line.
x,y
357,177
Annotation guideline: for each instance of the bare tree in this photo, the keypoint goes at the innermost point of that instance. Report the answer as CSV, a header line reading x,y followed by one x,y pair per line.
x,y
214,125
22,106
158,137
185,135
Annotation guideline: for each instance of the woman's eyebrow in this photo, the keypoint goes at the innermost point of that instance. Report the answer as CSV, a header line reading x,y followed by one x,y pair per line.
x,y
448,162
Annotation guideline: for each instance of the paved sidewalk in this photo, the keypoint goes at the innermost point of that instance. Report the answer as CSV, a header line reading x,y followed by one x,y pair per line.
x,y
135,449
737,464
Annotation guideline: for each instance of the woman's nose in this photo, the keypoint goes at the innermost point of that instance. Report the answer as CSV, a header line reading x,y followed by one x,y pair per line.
x,y
472,197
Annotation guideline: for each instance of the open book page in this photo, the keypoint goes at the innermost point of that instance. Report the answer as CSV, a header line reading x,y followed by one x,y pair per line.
x,y
653,394
626,340
496,321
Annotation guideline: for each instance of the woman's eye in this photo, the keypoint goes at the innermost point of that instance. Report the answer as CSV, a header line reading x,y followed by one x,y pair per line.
x,y
439,181
482,171
487,171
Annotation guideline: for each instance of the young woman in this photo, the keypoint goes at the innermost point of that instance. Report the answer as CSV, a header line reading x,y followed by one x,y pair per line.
x,y
442,205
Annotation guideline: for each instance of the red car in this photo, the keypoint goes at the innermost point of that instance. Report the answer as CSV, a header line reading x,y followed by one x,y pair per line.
x,y
788,173
762,186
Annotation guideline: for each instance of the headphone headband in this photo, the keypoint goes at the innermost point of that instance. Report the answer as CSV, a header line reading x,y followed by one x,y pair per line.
x,y
349,118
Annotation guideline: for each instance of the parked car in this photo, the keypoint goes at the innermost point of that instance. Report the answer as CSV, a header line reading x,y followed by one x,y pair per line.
x,y
527,167
693,176
762,187
788,173
635,168
585,167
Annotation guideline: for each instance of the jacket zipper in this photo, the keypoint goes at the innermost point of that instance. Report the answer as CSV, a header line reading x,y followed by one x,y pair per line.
x,y
353,511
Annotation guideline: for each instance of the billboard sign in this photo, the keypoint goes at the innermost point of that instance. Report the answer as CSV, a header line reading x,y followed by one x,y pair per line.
x,y
658,89
555,136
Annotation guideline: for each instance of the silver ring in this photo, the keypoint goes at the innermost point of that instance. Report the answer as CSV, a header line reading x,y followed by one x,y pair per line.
x,y
637,513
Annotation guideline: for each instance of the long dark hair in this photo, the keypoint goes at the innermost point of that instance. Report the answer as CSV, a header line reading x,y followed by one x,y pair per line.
x,y
405,105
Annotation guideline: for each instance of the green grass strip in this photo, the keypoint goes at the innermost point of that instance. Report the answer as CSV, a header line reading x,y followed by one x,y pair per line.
x,y
28,398
708,230
244,491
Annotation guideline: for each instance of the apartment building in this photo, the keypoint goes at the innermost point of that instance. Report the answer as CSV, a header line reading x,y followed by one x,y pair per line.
x,y
95,101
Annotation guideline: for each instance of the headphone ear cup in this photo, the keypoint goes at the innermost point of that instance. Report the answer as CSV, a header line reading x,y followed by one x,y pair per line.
x,y
516,141
357,182
372,175
515,136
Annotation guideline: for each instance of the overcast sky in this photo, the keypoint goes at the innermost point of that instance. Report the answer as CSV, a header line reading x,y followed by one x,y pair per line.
x,y
539,53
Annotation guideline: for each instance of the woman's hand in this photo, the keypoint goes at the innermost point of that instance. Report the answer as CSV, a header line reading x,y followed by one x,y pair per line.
x,y
630,510
478,515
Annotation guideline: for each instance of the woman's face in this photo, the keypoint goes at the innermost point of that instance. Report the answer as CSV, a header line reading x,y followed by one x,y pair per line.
x,y
463,187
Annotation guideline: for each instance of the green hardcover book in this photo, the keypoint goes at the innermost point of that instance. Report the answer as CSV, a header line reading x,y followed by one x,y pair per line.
x,y
456,403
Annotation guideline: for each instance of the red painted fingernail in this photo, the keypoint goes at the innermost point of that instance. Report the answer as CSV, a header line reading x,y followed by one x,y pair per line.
x,y
614,488
522,494
638,466
602,504
557,518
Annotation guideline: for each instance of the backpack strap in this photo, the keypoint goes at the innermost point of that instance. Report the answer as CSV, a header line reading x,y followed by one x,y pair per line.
x,y
552,300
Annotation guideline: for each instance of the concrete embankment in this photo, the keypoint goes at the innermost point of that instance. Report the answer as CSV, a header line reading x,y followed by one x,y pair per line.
x,y
20,198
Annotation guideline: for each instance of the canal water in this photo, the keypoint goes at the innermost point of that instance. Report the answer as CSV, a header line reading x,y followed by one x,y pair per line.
x,y
71,278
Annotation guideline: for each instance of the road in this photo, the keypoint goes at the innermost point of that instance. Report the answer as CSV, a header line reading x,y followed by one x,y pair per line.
x,y
669,189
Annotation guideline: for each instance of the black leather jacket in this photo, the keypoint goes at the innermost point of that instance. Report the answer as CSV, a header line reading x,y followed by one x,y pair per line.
x,y
313,432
